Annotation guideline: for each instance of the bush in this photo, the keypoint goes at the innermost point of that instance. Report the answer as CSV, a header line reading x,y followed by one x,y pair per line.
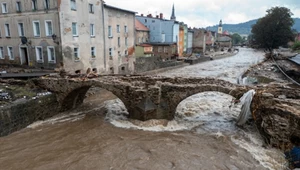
x,y
296,46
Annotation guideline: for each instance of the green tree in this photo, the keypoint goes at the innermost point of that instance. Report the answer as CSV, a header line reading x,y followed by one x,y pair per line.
x,y
274,29
236,38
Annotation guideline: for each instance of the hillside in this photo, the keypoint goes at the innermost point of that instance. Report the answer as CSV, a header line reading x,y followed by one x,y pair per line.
x,y
245,28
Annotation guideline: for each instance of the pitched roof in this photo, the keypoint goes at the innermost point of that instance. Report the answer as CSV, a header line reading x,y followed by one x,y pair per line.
x,y
139,26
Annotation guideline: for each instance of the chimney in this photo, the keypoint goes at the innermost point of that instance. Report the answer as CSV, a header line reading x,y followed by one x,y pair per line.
x,y
142,15
156,16
161,16
149,15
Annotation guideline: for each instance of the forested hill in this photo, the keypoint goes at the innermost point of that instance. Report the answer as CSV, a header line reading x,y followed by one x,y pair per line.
x,y
245,28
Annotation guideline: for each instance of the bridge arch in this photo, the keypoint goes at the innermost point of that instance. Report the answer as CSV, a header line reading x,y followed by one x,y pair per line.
x,y
76,96
180,93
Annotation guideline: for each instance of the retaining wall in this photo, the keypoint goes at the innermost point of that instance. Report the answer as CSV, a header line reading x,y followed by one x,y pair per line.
x,y
22,113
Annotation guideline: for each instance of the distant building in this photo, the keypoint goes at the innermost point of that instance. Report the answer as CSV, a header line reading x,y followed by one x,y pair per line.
x,y
166,51
181,40
142,48
119,39
142,33
190,42
161,30
220,28
224,41
199,40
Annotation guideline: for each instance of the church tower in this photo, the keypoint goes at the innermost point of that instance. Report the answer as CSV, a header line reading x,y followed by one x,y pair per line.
x,y
220,29
173,14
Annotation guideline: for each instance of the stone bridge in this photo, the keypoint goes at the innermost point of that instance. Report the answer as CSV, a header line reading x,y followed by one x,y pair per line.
x,y
275,107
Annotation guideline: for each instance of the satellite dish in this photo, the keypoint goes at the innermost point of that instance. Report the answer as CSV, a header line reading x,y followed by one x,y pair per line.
x,y
24,40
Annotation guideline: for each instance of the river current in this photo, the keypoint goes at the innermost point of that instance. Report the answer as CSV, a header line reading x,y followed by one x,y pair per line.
x,y
98,135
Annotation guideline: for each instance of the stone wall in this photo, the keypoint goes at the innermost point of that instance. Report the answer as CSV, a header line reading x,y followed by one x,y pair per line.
x,y
23,113
143,64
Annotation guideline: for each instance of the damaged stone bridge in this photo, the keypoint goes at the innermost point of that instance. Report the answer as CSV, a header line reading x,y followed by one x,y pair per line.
x,y
145,97
275,107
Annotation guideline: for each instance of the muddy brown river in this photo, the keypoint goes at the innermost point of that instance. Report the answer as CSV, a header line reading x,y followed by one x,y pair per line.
x,y
97,135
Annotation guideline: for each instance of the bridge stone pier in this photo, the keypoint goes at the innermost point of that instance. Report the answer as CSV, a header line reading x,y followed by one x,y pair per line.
x,y
275,108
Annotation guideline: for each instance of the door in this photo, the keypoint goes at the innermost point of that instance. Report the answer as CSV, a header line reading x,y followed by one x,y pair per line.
x,y
24,56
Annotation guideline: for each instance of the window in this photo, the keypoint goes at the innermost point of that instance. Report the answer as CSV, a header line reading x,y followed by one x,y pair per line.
x,y
126,41
7,30
118,29
39,54
36,28
119,41
0,33
145,20
74,29
10,53
4,8
18,6
34,5
48,28
1,53
109,31
165,49
73,5
125,29
110,52
93,52
91,8
21,29
51,54
160,49
92,30
126,52
76,54
47,4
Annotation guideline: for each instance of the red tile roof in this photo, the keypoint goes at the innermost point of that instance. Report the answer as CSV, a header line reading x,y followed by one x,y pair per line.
x,y
139,26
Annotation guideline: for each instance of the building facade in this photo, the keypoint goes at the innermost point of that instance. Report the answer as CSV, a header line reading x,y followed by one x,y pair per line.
x,y
30,33
199,40
142,33
166,51
161,30
74,34
190,42
119,39
82,35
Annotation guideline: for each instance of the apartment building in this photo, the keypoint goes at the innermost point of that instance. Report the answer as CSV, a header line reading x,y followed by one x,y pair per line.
x,y
30,33
76,34
119,39
82,35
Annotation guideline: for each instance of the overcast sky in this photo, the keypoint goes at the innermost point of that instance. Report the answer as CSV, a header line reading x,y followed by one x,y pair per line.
x,y
203,13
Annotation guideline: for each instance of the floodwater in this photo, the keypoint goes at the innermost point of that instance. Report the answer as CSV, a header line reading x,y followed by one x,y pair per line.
x,y
97,135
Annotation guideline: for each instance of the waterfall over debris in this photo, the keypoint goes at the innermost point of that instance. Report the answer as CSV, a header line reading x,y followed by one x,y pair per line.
x,y
245,111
